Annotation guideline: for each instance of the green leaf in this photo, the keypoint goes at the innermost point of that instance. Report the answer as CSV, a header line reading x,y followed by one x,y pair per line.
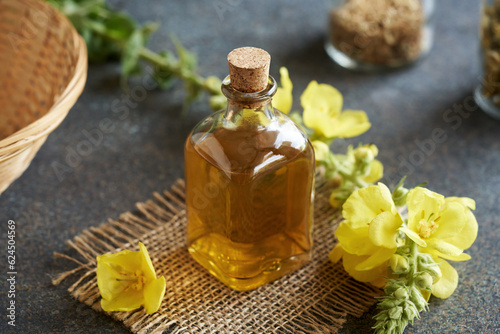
x,y
130,57
186,58
148,29
120,26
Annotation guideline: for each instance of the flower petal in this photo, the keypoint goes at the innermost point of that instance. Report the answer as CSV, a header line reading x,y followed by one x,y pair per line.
x,y
106,280
285,81
336,253
376,259
146,264
461,257
421,204
354,240
153,295
465,201
350,123
451,222
283,100
321,150
376,172
444,247
426,294
365,204
125,259
468,235
413,236
126,301
110,268
322,103
383,229
448,282
321,98
351,261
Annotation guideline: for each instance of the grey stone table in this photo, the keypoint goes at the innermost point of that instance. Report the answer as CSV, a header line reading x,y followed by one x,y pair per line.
x,y
143,150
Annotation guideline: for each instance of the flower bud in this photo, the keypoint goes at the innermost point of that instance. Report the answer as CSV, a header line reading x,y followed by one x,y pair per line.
x,y
338,197
217,102
365,153
213,83
417,299
436,274
399,196
424,280
395,312
411,311
424,258
391,326
401,293
399,264
321,150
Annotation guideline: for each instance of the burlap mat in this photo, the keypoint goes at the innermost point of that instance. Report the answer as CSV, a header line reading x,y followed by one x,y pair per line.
x,y
314,299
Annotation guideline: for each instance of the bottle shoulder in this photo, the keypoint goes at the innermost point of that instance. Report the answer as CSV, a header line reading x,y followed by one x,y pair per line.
x,y
250,147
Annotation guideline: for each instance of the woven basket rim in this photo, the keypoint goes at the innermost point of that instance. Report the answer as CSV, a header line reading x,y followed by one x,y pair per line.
x,y
62,104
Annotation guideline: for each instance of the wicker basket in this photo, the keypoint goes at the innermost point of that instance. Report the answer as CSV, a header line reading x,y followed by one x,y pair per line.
x,y
43,67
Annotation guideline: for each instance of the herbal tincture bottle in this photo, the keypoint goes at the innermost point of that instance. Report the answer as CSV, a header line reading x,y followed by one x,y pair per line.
x,y
249,182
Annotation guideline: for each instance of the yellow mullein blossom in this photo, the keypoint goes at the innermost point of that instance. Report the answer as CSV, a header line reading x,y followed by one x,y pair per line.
x,y
444,228
321,150
283,98
367,154
368,237
127,280
323,113
376,172
374,276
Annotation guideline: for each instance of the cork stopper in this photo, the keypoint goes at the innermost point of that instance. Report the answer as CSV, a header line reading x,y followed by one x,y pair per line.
x,y
249,69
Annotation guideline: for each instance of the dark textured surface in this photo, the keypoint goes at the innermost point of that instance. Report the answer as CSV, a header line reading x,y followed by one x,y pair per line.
x,y
144,151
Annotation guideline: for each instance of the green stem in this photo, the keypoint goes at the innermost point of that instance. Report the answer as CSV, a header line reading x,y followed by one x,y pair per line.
x,y
172,67
413,258
354,179
177,70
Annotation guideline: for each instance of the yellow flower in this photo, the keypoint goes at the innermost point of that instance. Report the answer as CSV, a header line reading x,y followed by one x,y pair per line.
x,y
127,280
322,105
375,275
321,150
376,172
366,154
441,227
444,228
283,98
368,236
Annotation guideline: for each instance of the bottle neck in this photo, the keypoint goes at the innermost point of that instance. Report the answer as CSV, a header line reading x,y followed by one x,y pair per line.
x,y
239,102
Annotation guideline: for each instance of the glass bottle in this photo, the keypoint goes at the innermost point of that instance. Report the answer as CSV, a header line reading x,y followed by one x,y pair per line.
x,y
372,35
249,182
487,94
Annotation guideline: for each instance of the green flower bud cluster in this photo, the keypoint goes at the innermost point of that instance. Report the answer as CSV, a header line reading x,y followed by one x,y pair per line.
x,y
355,169
399,306
403,300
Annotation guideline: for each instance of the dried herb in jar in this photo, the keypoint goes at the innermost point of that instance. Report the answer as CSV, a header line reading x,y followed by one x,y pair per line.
x,y
490,44
385,32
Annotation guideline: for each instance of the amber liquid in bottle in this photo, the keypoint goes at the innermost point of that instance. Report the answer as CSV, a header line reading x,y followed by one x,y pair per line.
x,y
249,198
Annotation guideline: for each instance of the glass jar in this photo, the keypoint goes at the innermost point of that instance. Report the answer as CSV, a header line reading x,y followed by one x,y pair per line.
x,y
487,94
379,34
249,189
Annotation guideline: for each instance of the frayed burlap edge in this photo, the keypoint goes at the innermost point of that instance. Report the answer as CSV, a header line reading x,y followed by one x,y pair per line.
x,y
314,299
